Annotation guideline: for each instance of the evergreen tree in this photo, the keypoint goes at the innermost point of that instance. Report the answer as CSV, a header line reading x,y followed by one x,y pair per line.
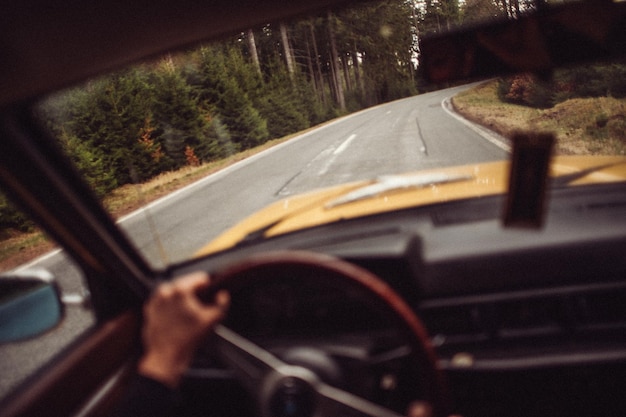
x,y
181,123
282,105
109,116
91,162
382,37
11,218
480,10
221,92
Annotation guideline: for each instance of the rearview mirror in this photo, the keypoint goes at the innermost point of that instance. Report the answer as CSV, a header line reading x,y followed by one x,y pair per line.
x,y
30,304
551,37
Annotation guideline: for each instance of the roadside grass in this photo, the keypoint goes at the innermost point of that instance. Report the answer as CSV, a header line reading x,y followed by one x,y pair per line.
x,y
583,126
20,247
130,197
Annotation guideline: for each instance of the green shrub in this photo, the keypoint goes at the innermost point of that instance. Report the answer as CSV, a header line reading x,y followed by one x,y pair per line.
x,y
12,218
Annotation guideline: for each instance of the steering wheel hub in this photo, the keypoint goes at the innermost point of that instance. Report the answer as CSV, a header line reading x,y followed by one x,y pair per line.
x,y
289,391
293,397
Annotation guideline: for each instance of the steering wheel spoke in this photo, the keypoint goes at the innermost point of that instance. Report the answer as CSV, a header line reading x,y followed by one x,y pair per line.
x,y
249,361
260,368
336,402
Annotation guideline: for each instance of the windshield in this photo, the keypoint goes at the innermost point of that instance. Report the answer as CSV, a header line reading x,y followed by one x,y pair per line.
x,y
183,147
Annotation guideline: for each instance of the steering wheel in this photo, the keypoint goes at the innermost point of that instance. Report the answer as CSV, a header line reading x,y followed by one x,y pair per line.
x,y
270,341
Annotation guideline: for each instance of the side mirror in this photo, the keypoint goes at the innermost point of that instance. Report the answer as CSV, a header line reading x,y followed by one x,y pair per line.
x,y
30,304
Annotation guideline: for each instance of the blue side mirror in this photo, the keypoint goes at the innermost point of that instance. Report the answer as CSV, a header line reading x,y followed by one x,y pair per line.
x,y
30,304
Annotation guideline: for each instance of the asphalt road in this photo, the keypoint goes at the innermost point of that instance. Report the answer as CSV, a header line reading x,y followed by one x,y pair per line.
x,y
406,135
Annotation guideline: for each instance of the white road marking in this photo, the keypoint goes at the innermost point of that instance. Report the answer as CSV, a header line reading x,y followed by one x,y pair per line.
x,y
344,145
35,262
485,133
340,149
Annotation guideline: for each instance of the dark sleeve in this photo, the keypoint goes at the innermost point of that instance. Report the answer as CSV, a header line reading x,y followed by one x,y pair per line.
x,y
145,397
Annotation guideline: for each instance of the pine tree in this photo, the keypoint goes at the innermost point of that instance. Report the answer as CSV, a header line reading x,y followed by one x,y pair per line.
x,y
282,104
219,89
109,115
181,122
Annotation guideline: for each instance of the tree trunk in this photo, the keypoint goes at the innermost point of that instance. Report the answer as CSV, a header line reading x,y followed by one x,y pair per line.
x,y
287,50
346,72
253,51
318,65
336,74
358,77
309,63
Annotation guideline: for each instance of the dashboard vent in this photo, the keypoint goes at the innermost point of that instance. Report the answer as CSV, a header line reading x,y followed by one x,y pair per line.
x,y
570,311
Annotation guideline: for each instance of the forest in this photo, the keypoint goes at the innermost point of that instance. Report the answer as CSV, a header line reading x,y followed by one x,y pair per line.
x,y
215,100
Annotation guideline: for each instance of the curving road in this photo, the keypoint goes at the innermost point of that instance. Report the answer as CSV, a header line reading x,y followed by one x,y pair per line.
x,y
405,135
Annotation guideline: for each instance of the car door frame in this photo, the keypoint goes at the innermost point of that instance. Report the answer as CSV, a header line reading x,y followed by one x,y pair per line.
x,y
37,176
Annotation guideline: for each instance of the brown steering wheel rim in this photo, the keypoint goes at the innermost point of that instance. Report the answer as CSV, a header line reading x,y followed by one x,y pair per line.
x,y
260,265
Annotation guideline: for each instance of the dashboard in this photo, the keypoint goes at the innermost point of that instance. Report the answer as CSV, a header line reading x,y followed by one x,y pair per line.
x,y
524,322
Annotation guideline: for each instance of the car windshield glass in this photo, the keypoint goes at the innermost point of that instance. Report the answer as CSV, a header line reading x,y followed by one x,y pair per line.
x,y
183,147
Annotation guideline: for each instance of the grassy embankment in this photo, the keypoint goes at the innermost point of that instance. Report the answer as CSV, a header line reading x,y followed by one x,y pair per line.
x,y
583,126
603,131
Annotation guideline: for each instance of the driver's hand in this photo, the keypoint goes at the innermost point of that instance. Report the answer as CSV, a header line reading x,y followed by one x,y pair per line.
x,y
175,322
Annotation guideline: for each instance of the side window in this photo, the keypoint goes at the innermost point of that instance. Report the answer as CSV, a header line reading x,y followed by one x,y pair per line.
x,y
23,247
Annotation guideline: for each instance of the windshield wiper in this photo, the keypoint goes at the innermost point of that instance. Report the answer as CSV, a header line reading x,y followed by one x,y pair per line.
x,y
383,184
567,179
387,183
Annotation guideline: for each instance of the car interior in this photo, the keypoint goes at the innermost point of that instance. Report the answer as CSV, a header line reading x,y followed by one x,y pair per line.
x,y
507,304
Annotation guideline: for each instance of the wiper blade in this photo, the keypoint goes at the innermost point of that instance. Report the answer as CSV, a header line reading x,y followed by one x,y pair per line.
x,y
383,184
257,234
567,179
387,183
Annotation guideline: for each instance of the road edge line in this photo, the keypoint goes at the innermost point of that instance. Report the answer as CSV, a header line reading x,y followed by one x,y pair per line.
x,y
487,134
